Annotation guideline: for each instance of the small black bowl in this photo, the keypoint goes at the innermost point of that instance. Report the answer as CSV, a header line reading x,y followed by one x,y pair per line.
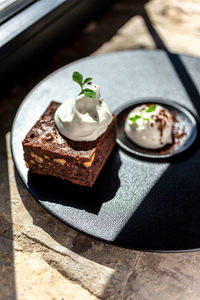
x,y
184,117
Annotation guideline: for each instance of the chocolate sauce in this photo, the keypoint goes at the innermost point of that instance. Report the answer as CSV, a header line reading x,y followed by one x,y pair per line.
x,y
178,134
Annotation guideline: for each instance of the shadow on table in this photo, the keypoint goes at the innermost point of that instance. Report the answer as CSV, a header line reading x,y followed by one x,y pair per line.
x,y
99,31
9,105
177,64
7,269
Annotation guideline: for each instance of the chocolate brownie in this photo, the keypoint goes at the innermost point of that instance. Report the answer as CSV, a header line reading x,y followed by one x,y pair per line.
x,y
48,152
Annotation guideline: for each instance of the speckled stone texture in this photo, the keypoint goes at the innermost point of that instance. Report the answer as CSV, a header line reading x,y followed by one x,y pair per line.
x,y
39,256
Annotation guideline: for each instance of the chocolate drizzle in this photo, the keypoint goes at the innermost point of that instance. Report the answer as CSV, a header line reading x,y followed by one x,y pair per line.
x,y
160,119
178,133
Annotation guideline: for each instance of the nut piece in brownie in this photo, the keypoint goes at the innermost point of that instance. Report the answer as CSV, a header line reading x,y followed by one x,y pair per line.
x,y
47,152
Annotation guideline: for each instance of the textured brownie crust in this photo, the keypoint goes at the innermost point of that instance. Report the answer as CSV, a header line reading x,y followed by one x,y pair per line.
x,y
47,152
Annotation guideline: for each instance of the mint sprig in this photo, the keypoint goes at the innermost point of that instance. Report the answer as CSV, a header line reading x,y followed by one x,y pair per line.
x,y
151,108
135,118
77,77
89,93
89,79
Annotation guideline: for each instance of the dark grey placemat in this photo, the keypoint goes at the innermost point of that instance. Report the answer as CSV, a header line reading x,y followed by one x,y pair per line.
x,y
135,203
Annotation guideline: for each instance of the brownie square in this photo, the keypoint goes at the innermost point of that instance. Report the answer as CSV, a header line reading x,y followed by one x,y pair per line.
x,y
47,152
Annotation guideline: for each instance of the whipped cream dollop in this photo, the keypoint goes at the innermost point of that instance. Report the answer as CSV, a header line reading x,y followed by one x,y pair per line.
x,y
150,126
83,118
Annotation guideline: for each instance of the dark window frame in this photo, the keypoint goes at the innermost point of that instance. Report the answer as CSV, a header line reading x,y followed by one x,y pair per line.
x,y
40,27
30,21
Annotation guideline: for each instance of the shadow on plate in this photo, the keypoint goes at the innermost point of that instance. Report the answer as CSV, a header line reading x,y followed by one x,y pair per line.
x,y
168,217
50,189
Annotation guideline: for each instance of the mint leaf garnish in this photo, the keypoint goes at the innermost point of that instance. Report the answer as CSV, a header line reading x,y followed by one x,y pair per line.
x,y
146,119
135,118
89,93
77,77
151,108
87,80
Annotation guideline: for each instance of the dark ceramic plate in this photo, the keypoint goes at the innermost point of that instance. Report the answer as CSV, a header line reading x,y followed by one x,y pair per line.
x,y
186,121
136,203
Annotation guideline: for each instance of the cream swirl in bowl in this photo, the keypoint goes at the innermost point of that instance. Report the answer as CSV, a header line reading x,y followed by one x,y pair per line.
x,y
150,126
83,118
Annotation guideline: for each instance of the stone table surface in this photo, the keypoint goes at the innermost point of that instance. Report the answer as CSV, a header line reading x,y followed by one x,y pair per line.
x,y
42,258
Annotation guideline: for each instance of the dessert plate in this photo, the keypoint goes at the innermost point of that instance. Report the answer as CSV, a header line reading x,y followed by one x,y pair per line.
x,y
136,203
186,124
